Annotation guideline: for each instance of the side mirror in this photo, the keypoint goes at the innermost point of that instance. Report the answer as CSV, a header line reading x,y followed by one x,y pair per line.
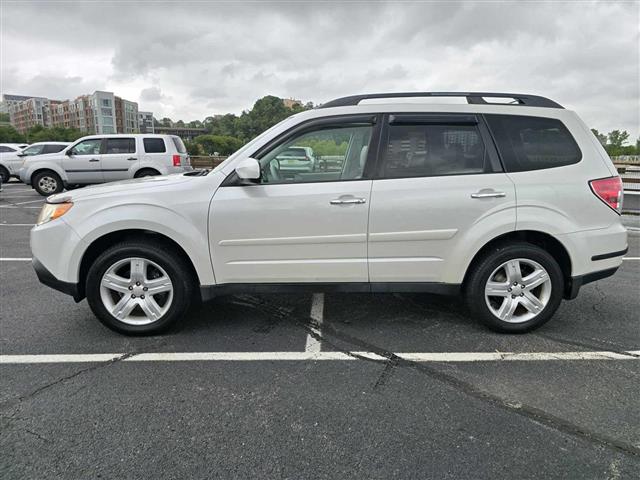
x,y
21,154
248,169
68,152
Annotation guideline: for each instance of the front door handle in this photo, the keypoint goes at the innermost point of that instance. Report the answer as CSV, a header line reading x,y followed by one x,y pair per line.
x,y
94,160
488,194
347,201
132,158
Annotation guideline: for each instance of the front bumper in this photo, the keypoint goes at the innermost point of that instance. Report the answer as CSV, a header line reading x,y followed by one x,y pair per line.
x,y
48,279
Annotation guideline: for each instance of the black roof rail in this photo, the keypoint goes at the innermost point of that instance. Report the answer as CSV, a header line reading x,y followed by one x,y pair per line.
x,y
472,97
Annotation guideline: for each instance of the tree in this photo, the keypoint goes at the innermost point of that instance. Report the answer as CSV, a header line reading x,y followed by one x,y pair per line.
x,y
618,138
4,117
222,144
166,122
195,124
179,123
602,138
8,134
39,133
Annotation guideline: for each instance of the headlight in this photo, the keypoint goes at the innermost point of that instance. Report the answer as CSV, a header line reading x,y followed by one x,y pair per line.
x,y
51,211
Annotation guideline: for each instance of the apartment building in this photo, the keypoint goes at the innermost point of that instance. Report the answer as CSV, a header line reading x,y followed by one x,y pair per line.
x,y
99,112
145,122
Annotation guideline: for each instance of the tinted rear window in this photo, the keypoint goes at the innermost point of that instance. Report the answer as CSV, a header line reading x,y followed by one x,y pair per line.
x,y
533,143
433,150
120,145
177,141
154,145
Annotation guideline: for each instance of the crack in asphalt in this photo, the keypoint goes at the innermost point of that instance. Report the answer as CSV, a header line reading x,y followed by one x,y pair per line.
x,y
526,411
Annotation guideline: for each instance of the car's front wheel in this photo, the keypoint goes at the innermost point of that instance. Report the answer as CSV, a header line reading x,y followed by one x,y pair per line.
x,y
139,288
47,183
515,288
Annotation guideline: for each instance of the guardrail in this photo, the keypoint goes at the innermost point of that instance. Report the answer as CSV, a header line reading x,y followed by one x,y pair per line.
x,y
207,162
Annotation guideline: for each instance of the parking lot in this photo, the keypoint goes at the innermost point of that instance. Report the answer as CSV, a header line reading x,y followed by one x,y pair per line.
x,y
315,386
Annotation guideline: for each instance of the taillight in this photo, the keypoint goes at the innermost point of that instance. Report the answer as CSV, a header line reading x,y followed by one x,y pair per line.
x,y
609,190
177,160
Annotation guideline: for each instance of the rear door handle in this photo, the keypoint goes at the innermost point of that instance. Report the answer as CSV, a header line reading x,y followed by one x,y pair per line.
x,y
94,160
132,158
347,201
488,194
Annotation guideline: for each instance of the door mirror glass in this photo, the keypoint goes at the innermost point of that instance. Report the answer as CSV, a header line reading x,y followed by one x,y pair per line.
x,y
248,169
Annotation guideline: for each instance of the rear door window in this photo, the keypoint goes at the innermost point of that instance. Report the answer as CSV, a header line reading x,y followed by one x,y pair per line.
x,y
533,143
431,150
120,145
154,145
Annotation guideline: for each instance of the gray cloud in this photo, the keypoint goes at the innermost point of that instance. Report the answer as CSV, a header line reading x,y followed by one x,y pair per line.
x,y
191,59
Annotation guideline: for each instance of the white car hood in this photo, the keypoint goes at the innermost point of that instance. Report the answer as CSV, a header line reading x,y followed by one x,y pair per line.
x,y
126,187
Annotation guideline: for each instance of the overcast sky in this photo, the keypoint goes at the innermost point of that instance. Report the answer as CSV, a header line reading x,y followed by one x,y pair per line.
x,y
187,60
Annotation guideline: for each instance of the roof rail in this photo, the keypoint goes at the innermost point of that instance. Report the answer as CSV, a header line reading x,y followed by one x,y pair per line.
x,y
472,98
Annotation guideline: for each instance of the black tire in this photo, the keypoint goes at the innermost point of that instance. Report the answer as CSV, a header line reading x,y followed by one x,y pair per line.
x,y
52,178
4,175
146,172
163,255
489,262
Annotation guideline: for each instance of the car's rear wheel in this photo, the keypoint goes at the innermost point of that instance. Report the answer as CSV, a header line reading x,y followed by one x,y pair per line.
x,y
4,174
47,183
139,288
146,172
515,288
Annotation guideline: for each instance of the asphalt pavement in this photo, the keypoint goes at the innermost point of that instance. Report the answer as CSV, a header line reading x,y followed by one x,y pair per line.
x,y
315,386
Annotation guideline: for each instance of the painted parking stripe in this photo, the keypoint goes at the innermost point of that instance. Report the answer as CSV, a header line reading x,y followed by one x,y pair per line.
x,y
423,357
313,343
30,201
13,259
17,224
631,258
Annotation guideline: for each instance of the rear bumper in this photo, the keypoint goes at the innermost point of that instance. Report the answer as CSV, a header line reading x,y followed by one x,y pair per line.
x,y
48,279
574,285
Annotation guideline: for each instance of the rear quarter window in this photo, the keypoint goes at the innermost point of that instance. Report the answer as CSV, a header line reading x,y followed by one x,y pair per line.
x,y
177,141
533,143
154,145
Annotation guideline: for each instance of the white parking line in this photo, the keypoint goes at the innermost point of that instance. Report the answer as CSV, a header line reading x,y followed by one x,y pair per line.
x,y
20,206
631,258
30,201
423,357
317,312
17,224
14,259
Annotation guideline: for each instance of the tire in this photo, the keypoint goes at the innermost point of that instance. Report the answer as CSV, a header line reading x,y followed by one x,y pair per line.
x,y
146,172
4,175
47,183
504,305
157,261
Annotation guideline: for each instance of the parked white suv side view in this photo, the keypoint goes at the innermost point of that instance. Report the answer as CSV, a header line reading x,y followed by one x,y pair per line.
x,y
514,206
106,158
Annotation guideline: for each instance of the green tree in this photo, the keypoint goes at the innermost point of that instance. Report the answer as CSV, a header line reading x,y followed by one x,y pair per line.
x,y
222,144
602,138
8,134
166,122
179,123
195,124
39,133
4,117
617,138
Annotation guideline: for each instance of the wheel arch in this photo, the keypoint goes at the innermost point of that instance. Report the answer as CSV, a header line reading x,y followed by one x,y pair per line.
x,y
39,168
100,244
138,171
547,242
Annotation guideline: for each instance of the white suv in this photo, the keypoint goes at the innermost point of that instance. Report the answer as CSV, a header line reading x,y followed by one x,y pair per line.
x,y
105,158
515,206
10,160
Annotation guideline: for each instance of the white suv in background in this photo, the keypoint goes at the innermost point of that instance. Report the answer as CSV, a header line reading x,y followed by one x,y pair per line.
x,y
106,158
516,206
10,160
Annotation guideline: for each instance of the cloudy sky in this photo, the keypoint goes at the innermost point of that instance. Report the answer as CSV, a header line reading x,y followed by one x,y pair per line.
x,y
187,60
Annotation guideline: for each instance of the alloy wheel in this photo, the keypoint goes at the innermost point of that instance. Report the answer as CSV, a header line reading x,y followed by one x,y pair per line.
x,y
518,290
136,291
